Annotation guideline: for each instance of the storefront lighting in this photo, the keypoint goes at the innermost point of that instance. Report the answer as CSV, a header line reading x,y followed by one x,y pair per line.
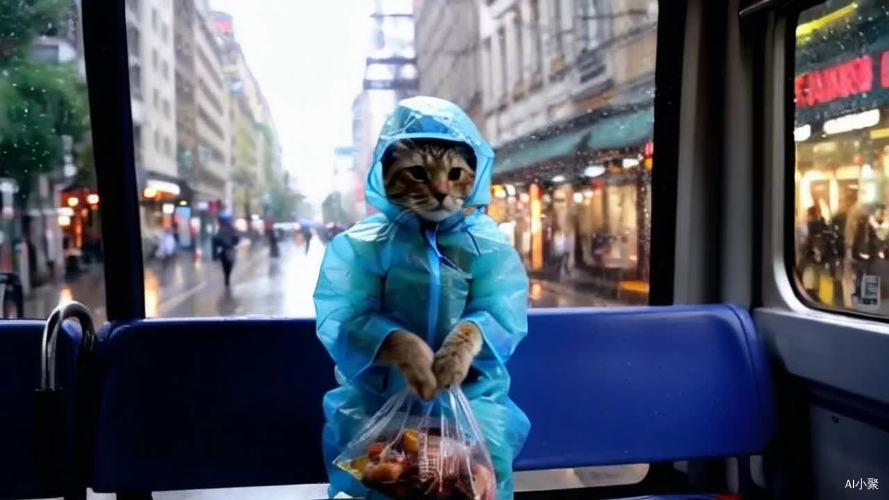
x,y
183,203
73,201
880,133
510,189
866,172
170,188
7,187
851,122
588,193
801,134
630,162
149,192
594,171
203,205
254,217
499,192
92,199
68,211
168,208
64,220
559,178
578,197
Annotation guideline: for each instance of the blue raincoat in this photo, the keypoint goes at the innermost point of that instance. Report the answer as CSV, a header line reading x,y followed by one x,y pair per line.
x,y
390,271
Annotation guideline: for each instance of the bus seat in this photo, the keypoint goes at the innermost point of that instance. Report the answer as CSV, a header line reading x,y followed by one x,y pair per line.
x,y
211,403
648,384
20,466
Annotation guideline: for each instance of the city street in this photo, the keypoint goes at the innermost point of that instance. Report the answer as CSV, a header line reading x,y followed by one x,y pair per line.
x,y
191,286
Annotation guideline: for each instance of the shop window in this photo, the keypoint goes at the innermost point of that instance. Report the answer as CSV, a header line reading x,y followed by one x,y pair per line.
x,y
840,143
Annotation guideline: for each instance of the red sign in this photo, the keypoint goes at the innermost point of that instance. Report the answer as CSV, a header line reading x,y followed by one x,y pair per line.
x,y
884,69
843,80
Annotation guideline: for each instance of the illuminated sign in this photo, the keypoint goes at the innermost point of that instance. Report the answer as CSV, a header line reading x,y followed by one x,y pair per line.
x,y
835,82
884,69
851,122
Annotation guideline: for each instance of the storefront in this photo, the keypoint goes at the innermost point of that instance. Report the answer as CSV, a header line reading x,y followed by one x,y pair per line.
x,y
166,204
81,225
841,138
575,200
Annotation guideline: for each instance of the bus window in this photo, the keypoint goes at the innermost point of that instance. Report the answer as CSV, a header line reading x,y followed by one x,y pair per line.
x,y
273,118
841,143
50,232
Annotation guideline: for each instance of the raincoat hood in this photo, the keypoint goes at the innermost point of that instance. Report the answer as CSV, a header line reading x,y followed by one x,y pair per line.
x,y
430,118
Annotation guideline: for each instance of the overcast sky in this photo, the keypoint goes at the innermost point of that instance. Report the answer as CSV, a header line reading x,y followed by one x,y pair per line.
x,y
308,57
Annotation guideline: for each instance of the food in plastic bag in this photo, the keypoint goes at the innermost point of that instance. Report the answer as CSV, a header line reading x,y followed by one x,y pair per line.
x,y
412,449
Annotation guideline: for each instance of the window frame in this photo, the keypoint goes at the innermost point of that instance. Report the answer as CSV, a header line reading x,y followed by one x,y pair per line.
x,y
106,61
791,16
107,68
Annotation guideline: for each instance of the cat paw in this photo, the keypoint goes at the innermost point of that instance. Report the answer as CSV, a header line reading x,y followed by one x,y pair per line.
x,y
453,359
413,358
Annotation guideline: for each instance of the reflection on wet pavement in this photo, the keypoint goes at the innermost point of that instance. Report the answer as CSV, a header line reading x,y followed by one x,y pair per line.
x,y
192,286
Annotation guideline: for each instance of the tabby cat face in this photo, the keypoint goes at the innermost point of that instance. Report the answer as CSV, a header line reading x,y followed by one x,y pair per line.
x,y
429,177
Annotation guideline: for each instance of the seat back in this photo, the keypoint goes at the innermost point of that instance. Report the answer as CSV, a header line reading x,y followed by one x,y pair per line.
x,y
23,429
220,403
210,403
648,384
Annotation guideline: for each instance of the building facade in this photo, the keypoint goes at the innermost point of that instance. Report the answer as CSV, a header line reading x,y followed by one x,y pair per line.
x,y
150,41
202,111
390,75
447,41
567,89
244,114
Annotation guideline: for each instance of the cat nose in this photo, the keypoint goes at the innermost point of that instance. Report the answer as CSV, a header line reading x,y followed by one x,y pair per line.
x,y
439,196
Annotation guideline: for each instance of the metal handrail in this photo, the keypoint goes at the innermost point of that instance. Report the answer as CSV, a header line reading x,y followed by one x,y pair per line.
x,y
54,322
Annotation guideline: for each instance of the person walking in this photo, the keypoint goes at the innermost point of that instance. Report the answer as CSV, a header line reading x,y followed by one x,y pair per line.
x,y
307,236
225,242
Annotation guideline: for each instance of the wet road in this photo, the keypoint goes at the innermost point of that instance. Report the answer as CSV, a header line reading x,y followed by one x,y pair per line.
x,y
192,286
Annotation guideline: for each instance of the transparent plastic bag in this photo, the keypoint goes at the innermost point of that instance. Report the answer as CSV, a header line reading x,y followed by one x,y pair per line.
x,y
412,449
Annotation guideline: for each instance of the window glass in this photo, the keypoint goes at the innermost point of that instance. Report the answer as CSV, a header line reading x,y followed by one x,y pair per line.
x,y
841,144
50,232
274,117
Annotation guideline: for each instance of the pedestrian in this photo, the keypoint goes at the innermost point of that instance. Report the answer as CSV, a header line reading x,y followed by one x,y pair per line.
x,y
307,236
225,242
166,250
273,240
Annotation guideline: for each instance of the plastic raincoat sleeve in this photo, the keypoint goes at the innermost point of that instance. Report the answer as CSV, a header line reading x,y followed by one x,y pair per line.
x,y
348,300
498,302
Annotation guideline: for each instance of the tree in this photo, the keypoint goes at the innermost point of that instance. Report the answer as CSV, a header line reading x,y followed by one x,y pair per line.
x,y
332,209
283,204
39,102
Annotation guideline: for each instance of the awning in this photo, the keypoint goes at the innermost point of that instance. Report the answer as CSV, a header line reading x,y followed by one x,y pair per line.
x,y
622,131
616,131
533,152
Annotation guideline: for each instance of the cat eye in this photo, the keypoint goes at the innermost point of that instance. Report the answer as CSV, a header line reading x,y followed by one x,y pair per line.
x,y
418,173
455,173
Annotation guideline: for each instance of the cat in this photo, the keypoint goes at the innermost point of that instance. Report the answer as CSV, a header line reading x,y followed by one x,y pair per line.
x,y
431,178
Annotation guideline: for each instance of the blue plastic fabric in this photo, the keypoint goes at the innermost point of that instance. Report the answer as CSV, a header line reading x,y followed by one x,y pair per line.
x,y
391,271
